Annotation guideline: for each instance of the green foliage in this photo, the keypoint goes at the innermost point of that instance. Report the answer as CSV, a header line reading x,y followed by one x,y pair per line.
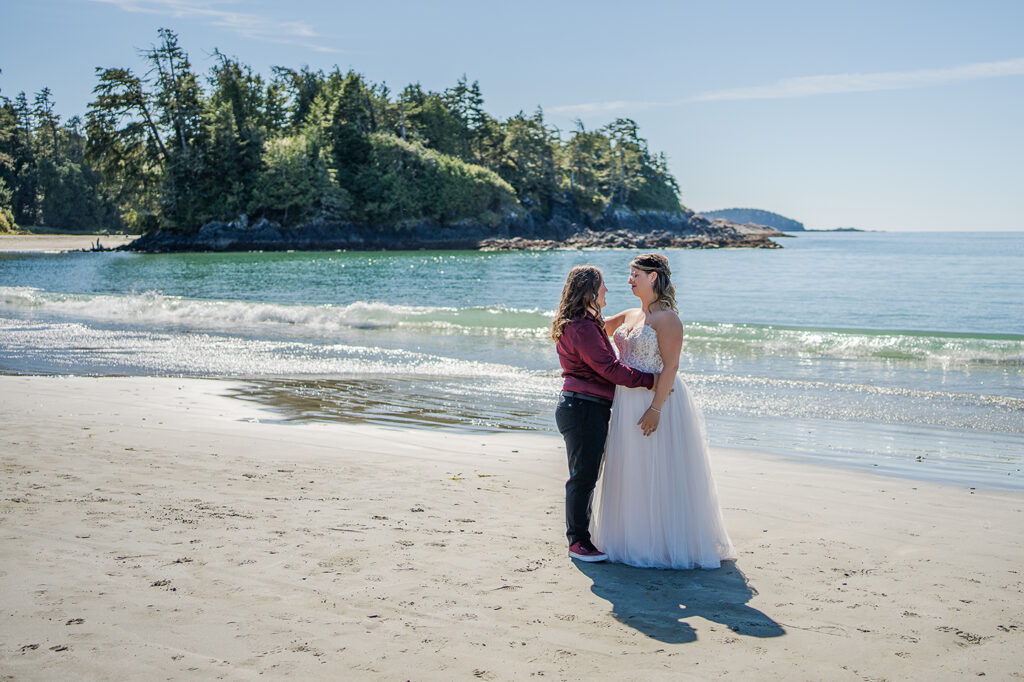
x,y
169,149
351,122
7,223
20,149
295,185
8,133
406,181
431,121
43,176
586,160
234,128
126,146
527,160
71,198
612,167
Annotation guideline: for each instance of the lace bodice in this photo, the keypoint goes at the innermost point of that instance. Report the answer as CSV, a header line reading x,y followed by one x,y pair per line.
x,y
638,348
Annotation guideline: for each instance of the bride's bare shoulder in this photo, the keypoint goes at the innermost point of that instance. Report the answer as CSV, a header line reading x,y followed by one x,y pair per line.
x,y
665,320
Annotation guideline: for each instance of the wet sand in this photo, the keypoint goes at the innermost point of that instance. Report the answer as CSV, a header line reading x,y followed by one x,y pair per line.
x,y
54,243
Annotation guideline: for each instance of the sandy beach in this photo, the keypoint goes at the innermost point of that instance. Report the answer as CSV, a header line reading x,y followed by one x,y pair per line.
x,y
156,528
52,243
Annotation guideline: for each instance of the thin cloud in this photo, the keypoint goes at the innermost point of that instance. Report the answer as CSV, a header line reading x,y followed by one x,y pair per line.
x,y
809,86
867,82
246,24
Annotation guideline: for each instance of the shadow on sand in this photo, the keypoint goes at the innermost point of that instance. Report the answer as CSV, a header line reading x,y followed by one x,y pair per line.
x,y
658,603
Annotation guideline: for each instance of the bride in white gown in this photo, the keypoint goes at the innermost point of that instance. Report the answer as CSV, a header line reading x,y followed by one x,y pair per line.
x,y
657,505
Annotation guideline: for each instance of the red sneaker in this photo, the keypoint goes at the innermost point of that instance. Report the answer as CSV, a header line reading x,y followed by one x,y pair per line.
x,y
585,551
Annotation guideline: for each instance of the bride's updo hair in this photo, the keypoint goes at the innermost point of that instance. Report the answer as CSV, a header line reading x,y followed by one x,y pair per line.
x,y
579,293
663,287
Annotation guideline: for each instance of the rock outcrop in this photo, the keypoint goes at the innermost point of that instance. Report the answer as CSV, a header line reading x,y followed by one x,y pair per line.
x,y
620,228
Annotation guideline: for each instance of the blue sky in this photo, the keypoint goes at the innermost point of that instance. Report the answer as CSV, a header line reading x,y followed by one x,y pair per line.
x,y
878,115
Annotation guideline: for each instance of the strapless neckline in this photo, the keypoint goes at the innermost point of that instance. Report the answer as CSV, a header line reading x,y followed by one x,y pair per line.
x,y
638,349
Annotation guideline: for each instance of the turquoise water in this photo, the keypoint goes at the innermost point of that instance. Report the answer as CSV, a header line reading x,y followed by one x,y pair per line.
x,y
903,353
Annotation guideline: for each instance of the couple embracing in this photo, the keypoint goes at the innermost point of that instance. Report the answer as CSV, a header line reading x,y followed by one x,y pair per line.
x,y
656,503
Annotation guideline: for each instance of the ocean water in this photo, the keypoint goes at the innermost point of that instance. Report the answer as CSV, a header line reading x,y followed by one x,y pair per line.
x,y
900,353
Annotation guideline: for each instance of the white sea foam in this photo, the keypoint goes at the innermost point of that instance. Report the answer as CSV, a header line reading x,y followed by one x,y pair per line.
x,y
159,310
946,350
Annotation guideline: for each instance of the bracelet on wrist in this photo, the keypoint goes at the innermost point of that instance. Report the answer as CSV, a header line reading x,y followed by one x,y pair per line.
x,y
652,407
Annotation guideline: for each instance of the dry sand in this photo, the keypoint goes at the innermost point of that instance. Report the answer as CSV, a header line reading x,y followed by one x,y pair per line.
x,y
153,528
53,243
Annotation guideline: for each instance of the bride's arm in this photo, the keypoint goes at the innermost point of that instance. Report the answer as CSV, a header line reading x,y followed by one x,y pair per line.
x,y
614,322
670,342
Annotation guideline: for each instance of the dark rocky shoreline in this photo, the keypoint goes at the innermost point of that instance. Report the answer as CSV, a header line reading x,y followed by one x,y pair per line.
x,y
618,229
624,239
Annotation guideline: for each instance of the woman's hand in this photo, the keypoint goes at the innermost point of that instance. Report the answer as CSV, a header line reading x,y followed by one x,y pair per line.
x,y
649,422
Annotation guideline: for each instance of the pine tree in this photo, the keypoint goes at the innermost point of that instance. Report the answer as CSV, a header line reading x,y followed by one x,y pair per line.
x,y
178,99
125,142
8,152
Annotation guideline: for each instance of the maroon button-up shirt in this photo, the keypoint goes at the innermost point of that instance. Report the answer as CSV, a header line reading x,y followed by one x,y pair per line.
x,y
589,364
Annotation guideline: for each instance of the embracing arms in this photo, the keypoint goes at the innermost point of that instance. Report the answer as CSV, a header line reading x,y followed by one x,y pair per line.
x,y
595,350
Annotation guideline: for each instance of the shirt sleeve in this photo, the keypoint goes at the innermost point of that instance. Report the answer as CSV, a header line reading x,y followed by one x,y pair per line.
x,y
593,348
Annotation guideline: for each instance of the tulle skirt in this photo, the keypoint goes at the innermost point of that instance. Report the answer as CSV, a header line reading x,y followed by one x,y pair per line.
x,y
656,504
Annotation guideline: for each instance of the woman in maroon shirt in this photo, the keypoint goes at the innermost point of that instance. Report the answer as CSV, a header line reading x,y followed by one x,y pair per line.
x,y
591,370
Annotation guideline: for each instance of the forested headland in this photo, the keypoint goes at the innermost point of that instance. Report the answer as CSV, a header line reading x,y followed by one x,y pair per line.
x,y
193,160
758,217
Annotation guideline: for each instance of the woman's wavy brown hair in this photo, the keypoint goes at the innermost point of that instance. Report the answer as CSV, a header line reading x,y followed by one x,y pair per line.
x,y
663,287
579,293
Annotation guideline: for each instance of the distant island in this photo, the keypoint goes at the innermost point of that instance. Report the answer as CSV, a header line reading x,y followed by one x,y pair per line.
x,y
757,217
231,160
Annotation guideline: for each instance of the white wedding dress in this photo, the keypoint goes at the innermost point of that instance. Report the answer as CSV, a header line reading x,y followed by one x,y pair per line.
x,y
656,504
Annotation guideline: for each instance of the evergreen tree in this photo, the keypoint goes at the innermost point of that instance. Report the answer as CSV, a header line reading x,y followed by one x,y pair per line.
x,y
126,144
301,90
586,160
235,125
627,153
25,199
406,181
46,123
528,160
352,121
7,223
431,121
294,184
637,179
168,150
179,103
8,142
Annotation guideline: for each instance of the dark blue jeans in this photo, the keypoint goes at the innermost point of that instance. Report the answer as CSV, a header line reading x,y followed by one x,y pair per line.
x,y
584,426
